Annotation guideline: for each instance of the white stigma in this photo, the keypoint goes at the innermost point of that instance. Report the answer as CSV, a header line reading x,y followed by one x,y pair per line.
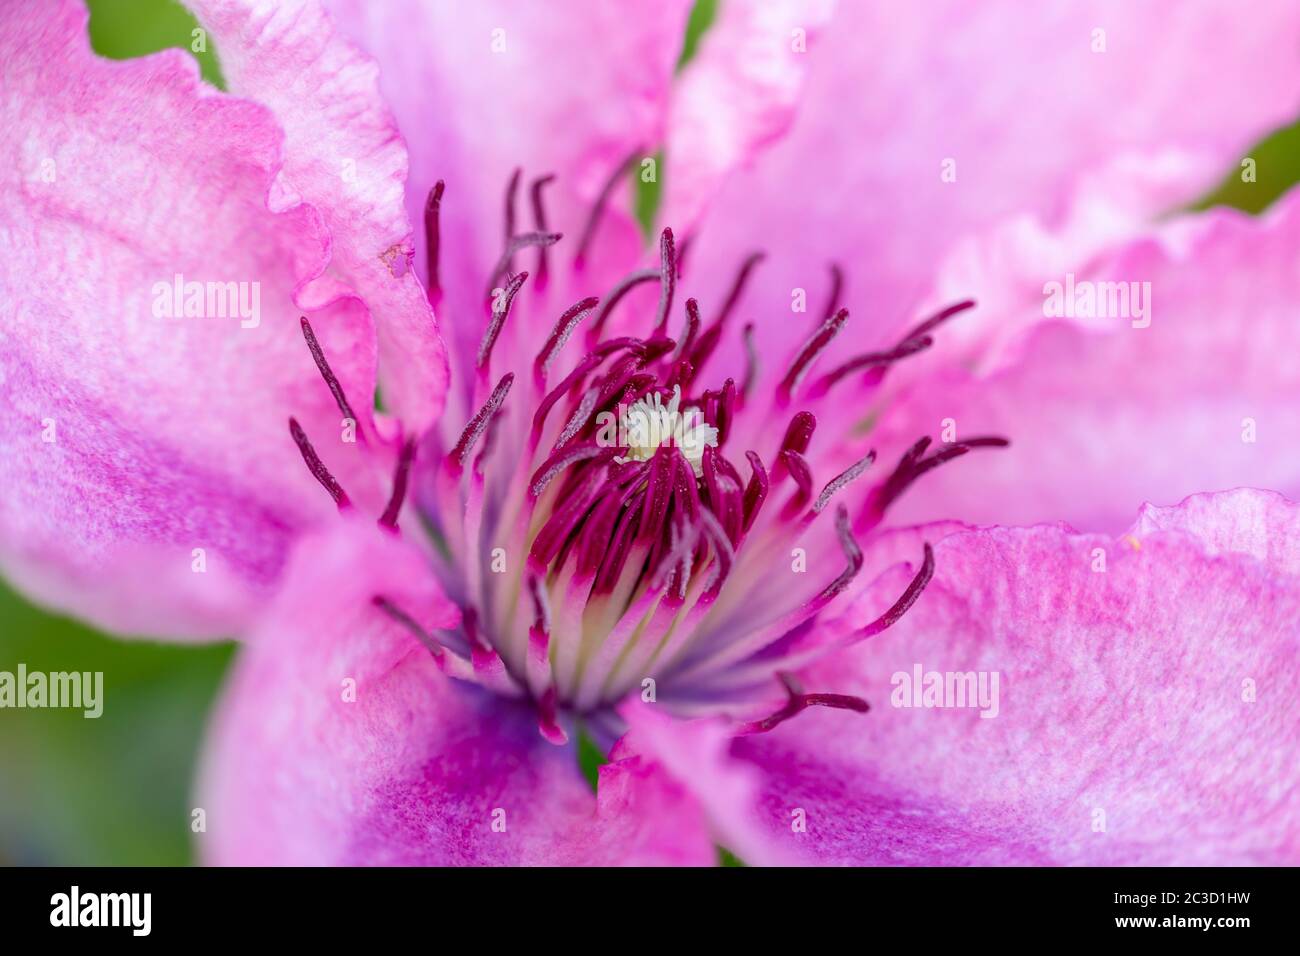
x,y
647,425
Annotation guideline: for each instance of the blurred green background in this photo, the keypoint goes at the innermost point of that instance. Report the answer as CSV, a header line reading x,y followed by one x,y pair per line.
x,y
115,790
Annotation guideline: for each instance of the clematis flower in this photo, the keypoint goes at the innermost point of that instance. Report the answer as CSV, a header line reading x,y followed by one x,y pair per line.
x,y
657,498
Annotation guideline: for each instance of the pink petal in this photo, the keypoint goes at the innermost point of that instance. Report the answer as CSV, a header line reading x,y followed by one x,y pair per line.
x,y
344,156
1102,414
736,96
417,767
1145,712
1016,98
129,441
694,753
482,88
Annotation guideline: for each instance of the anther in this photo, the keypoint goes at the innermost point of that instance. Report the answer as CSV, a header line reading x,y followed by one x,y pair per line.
x,y
912,465
500,311
837,289
547,720
316,466
905,602
479,423
598,208
756,490
626,285
798,702
668,279
870,360
539,223
432,240
853,563
815,345
512,190
326,372
564,326
943,315
408,622
713,334
751,361
799,433
400,476
797,467
842,479
522,241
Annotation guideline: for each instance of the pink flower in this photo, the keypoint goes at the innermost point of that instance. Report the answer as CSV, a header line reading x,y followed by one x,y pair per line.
x,y
666,500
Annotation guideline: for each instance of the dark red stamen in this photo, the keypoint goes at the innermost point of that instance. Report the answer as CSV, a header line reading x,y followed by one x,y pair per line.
x,y
479,423
667,278
572,503
843,478
518,243
433,239
579,419
756,490
541,606
815,345
722,549
616,295
598,531
659,490
797,467
751,361
674,557
326,372
512,190
943,315
562,459
904,603
731,499
479,643
869,360
852,557
500,311
726,413
799,702
837,289
316,466
547,719
539,223
713,334
564,327
620,544
598,208
682,373
738,286
400,476
799,433
408,622
912,465
692,328
570,381
683,248
916,340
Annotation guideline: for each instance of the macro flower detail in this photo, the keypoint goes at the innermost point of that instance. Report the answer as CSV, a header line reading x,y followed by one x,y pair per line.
x,y
505,474
628,551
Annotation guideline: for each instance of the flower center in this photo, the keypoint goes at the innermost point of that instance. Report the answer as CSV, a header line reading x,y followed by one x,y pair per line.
x,y
598,535
650,425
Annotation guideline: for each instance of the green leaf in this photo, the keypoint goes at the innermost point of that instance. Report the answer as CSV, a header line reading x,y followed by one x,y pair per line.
x,y
121,29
